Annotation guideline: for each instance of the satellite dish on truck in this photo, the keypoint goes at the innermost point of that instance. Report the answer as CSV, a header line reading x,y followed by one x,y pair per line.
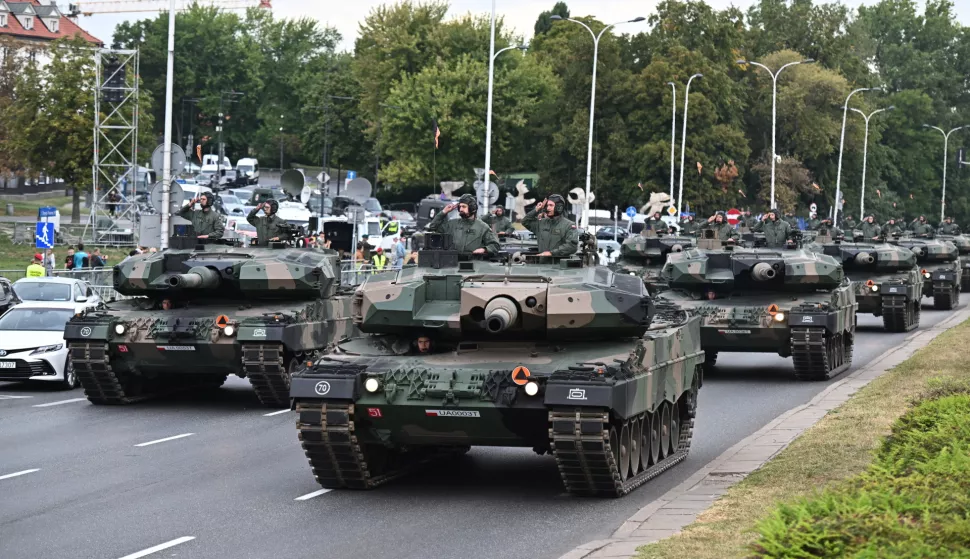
x,y
359,189
292,183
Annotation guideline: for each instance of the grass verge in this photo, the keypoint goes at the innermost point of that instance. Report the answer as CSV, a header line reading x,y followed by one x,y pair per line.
x,y
29,207
16,257
840,446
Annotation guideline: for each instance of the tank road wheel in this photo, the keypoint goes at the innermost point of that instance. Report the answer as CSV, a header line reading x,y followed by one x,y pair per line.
x,y
946,299
655,428
689,399
897,313
614,441
626,446
819,355
636,427
674,429
664,430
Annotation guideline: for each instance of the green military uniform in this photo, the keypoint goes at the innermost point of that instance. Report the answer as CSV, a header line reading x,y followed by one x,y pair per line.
x,y
870,230
747,221
849,223
776,232
205,222
267,226
722,231
949,228
556,234
467,235
891,229
656,225
922,228
791,220
499,224
813,224
826,230
688,227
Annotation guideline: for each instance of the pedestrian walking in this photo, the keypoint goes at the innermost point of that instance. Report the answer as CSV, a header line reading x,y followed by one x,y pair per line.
x,y
80,258
50,262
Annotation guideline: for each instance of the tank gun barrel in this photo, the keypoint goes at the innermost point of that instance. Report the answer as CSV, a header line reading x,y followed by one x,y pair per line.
x,y
762,271
198,277
500,314
864,258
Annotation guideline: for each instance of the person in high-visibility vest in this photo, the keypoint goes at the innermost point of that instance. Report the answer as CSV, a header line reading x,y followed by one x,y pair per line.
x,y
35,269
379,260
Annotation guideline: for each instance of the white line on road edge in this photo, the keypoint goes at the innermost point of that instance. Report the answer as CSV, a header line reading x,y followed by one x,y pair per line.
x,y
15,474
166,439
270,414
159,547
10,397
59,402
309,496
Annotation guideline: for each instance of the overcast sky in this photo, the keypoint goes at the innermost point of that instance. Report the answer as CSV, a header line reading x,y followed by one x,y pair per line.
x,y
345,15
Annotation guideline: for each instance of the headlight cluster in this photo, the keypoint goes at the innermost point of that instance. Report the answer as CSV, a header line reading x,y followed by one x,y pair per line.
x,y
229,330
372,385
926,275
779,317
120,329
874,288
47,349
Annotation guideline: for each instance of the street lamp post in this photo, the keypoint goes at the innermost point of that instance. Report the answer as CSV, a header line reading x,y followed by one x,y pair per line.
x,y
221,151
673,138
838,172
592,105
946,142
281,143
683,146
865,155
774,111
167,146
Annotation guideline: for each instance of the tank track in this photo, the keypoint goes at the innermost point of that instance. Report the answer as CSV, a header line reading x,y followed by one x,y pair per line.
x,y
817,356
899,314
965,280
583,440
945,297
327,432
264,365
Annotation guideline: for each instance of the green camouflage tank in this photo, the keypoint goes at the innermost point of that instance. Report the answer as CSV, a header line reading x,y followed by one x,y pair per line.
x,y
886,280
253,312
645,255
962,242
547,354
791,302
939,262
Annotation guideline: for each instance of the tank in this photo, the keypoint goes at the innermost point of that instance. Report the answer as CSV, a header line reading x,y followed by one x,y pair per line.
x,y
962,242
885,278
939,263
645,255
191,317
572,361
795,303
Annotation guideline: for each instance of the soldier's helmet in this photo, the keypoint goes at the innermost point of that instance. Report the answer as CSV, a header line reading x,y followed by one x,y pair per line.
x,y
274,207
206,199
471,201
559,204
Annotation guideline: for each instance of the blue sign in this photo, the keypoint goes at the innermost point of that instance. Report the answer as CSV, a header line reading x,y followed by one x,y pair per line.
x,y
45,235
46,211
351,175
631,211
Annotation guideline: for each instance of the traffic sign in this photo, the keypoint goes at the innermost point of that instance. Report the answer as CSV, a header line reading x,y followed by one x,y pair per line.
x,y
631,211
44,234
813,207
672,210
46,211
351,175
733,216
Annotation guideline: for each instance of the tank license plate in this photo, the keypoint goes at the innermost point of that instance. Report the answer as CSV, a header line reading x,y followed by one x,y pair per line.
x,y
8,365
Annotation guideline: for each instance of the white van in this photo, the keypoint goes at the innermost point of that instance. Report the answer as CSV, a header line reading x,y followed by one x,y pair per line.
x,y
213,160
248,168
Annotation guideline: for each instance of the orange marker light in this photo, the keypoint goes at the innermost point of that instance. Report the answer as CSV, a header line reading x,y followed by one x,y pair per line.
x,y
520,375
222,321
773,309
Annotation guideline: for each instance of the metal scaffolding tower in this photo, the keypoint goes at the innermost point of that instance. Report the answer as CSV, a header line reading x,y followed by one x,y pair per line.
x,y
115,169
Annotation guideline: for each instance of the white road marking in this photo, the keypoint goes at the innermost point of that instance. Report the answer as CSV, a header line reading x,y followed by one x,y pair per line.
x,y
309,496
10,397
59,402
166,439
270,414
159,547
15,474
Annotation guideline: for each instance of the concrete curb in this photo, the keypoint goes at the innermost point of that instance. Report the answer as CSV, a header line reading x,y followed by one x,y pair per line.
x,y
669,514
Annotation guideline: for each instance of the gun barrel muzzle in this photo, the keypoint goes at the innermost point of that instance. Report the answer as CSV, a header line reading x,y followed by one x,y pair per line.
x,y
500,314
762,271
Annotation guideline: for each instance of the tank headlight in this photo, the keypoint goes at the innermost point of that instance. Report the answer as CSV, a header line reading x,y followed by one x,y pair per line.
x,y
531,388
372,384
119,329
779,317
874,288
926,275
229,330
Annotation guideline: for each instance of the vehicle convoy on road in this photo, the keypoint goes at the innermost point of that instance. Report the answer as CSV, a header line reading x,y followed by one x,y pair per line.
x,y
645,255
200,314
885,278
939,262
550,354
792,302
962,242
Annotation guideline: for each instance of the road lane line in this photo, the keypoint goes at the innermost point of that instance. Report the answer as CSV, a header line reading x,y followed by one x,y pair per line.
x,y
15,474
159,547
11,397
309,496
270,414
166,439
59,402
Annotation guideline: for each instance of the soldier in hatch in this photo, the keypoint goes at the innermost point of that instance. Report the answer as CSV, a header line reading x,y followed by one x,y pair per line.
x,y
722,229
468,234
500,224
269,227
208,223
870,229
891,228
948,227
921,228
848,222
826,229
688,226
556,235
813,222
776,230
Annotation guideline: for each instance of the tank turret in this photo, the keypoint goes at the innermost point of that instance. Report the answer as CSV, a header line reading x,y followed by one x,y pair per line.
x,y
739,269
870,257
226,273
640,249
930,250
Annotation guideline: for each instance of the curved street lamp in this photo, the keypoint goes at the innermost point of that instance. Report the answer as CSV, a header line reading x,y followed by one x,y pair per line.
x,y
683,147
865,154
673,138
838,173
946,141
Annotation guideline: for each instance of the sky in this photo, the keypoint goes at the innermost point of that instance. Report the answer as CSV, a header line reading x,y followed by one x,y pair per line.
x,y
345,15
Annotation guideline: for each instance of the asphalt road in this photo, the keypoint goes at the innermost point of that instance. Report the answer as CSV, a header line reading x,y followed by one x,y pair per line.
x,y
78,481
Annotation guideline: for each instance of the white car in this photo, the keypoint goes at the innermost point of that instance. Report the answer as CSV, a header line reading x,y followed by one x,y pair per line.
x,y
32,343
57,290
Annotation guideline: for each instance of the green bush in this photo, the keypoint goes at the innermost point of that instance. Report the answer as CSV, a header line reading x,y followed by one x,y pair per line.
x,y
913,502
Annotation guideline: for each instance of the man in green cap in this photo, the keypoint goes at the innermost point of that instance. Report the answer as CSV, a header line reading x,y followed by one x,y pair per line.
x,y
848,223
468,234
500,224
688,227
826,229
208,223
891,228
791,219
948,227
270,227
921,228
813,222
870,229
776,230
722,229
556,235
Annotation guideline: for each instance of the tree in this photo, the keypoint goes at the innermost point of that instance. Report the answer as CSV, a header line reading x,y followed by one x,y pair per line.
x,y
544,21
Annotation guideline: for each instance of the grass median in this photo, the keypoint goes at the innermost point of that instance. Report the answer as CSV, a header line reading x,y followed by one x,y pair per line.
x,y
825,466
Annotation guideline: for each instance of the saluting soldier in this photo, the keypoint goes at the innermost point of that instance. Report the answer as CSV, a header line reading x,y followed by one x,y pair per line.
x,y
556,235
269,227
776,230
948,227
500,224
688,226
722,229
870,229
208,224
921,228
826,229
468,234
891,228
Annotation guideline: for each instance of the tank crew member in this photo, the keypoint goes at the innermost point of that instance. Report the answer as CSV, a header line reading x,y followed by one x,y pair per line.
x,y
556,235
776,230
948,227
468,234
269,227
791,219
813,222
921,228
423,344
688,226
870,229
656,224
747,220
891,228
208,223
722,229
826,229
500,224
848,222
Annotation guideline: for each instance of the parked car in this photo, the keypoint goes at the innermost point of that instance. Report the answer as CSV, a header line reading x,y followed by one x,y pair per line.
x,y
32,343
230,204
57,290
8,298
605,233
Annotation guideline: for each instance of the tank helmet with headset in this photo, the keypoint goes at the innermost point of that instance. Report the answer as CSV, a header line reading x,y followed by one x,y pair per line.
x,y
559,204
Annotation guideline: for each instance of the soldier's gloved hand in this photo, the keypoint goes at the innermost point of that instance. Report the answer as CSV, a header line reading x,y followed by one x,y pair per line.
x,y
541,206
203,237
478,251
546,253
710,219
449,208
